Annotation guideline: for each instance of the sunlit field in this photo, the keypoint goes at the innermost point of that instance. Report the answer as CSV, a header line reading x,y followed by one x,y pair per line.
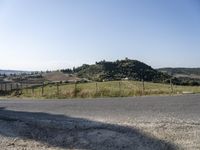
x,y
106,89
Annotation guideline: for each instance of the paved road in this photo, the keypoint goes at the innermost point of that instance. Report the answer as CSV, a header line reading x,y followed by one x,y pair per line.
x,y
167,122
149,109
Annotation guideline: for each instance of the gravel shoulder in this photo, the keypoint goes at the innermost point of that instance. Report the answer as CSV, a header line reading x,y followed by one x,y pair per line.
x,y
168,123
19,135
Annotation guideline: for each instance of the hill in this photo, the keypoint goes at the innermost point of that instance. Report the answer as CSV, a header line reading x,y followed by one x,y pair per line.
x,y
56,76
190,72
120,69
183,76
17,72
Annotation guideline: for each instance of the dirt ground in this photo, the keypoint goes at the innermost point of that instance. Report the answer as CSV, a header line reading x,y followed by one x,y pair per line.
x,y
18,135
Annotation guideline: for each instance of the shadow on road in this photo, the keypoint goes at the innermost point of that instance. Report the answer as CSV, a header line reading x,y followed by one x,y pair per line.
x,y
76,133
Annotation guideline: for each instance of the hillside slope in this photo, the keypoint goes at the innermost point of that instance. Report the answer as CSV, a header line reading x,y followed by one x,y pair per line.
x,y
120,69
181,71
190,73
183,76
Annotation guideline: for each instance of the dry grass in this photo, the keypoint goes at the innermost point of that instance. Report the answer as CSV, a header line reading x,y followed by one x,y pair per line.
x,y
107,89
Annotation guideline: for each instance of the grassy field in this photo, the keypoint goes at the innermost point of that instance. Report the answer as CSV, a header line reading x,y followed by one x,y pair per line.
x,y
106,89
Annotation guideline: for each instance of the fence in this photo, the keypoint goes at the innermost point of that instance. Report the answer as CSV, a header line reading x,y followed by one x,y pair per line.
x,y
93,89
6,88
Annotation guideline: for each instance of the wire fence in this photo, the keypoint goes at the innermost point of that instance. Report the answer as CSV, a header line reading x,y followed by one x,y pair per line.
x,y
92,89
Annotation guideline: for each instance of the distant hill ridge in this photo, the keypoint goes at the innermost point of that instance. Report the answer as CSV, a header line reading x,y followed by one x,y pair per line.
x,y
183,71
120,69
8,72
183,76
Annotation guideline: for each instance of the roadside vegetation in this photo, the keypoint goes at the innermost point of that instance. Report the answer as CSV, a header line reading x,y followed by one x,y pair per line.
x,y
105,89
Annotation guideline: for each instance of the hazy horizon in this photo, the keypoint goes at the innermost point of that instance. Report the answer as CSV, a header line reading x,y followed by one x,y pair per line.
x,y
50,35
90,64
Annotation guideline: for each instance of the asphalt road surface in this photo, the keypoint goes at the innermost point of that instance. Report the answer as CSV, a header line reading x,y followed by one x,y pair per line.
x,y
175,120
164,108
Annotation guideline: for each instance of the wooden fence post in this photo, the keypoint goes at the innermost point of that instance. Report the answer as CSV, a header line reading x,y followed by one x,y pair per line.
x,y
57,85
75,89
143,88
33,92
6,87
17,86
42,89
96,88
26,88
21,87
171,85
119,88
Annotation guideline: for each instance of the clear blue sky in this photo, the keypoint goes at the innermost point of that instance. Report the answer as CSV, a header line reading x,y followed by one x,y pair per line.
x,y
54,34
